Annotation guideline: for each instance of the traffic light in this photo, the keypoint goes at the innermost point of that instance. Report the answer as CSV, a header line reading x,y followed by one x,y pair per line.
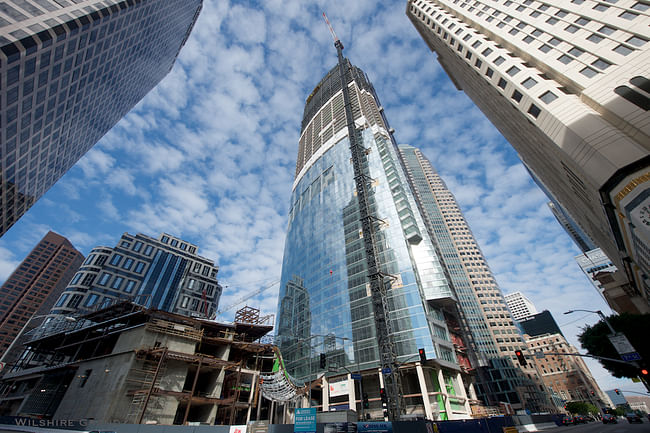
x,y
366,403
521,358
423,355
384,402
617,391
323,360
593,393
644,373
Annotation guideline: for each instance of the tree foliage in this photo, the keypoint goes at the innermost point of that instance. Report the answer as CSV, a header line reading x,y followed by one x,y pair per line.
x,y
581,408
635,327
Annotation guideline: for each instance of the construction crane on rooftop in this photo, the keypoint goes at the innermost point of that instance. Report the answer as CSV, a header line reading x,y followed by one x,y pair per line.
x,y
244,299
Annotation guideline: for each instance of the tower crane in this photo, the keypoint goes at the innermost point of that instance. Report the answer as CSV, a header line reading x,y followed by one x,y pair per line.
x,y
367,215
244,298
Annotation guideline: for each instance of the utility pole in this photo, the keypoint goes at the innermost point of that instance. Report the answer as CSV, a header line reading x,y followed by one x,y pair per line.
x,y
378,280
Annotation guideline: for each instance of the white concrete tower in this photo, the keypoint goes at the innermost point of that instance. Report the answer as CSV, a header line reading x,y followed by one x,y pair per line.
x,y
567,84
519,305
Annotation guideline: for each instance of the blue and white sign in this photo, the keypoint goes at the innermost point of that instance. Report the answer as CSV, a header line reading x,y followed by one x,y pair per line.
x,y
305,420
629,357
386,370
374,427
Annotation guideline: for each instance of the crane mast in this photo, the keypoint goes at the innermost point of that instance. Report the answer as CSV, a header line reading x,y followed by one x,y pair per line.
x,y
379,281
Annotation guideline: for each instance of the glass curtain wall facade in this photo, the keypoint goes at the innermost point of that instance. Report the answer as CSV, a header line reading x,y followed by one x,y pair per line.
x,y
489,328
69,71
325,301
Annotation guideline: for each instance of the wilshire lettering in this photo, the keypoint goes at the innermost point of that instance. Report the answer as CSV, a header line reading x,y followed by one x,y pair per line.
x,y
51,422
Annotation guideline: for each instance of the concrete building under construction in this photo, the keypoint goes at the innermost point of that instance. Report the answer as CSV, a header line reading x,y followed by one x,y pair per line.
x,y
129,364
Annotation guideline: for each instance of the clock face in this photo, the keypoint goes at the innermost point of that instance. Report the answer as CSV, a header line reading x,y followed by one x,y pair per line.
x,y
644,215
640,218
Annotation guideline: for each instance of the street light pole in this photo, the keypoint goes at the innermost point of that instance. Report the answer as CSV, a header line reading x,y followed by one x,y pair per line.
x,y
602,316
613,335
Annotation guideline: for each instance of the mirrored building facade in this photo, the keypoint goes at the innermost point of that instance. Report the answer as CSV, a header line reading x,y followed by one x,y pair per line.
x,y
69,71
324,247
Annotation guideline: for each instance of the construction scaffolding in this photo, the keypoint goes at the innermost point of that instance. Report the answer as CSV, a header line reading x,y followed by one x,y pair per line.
x,y
145,378
178,369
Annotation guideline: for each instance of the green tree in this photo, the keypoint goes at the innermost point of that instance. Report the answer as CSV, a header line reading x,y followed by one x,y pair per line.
x,y
635,327
581,408
619,411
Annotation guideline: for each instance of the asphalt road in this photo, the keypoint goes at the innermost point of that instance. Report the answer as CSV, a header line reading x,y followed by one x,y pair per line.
x,y
598,427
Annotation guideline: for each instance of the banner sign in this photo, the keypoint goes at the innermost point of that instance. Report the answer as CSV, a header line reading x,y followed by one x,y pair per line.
x,y
305,420
339,388
374,427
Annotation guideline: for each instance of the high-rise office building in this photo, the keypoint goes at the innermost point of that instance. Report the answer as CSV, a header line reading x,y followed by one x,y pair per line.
x,y
573,230
566,84
69,70
481,301
34,286
519,305
613,285
610,283
164,273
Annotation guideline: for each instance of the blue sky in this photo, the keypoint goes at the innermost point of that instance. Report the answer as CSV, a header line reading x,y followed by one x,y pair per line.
x,y
209,154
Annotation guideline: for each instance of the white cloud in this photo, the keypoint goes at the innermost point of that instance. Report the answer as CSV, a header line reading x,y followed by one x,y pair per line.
x,y
96,163
7,263
209,154
246,24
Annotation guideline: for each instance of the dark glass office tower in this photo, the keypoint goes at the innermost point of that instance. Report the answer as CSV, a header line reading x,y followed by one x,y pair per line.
x,y
69,71
325,266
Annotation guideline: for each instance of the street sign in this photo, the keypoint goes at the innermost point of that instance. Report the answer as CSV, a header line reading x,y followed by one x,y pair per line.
x,y
629,357
620,343
355,376
539,354
386,370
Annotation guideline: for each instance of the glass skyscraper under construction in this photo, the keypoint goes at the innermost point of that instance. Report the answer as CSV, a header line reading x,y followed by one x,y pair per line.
x,y
326,303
